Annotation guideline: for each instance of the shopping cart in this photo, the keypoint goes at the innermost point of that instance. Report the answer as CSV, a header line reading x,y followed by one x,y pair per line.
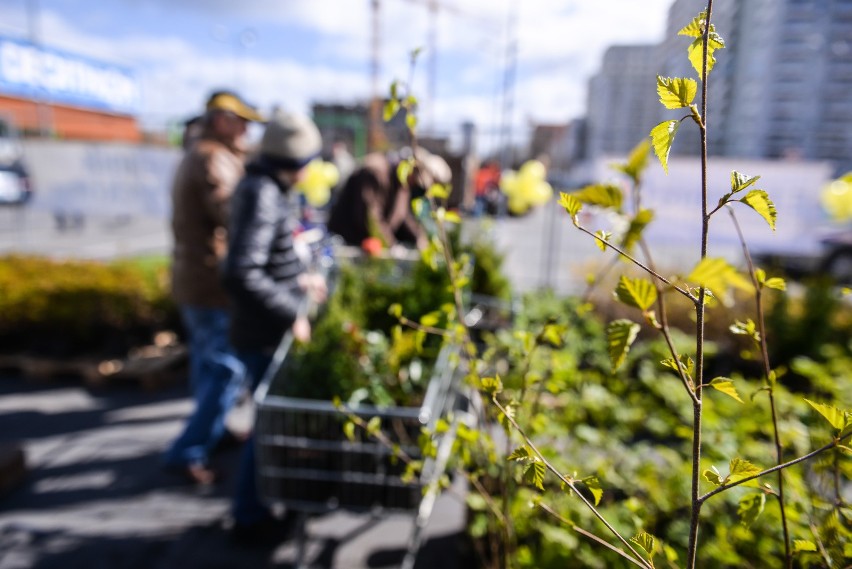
x,y
307,464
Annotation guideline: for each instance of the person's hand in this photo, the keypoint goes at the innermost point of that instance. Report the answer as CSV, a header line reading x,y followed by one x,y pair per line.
x,y
302,330
314,286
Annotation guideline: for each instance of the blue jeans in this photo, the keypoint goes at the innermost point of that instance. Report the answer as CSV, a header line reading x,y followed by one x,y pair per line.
x,y
216,377
247,507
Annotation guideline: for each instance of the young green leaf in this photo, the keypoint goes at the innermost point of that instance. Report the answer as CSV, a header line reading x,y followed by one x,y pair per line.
x,y
534,474
696,52
374,425
492,385
595,488
571,204
438,191
801,545
411,121
676,92
637,225
404,170
717,275
601,195
726,386
603,237
750,508
521,454
452,217
349,430
759,201
775,282
741,468
740,182
645,541
662,137
638,293
713,477
390,110
620,336
637,161
835,417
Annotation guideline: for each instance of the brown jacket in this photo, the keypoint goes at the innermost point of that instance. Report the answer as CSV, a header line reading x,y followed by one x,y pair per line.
x,y
201,191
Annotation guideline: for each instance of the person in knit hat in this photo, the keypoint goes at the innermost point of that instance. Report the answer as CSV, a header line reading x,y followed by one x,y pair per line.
x,y
266,280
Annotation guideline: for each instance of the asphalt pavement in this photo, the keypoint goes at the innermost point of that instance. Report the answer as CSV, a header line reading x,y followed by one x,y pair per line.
x,y
96,497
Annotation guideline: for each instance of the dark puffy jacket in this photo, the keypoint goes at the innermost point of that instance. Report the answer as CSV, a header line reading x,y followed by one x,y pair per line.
x,y
261,269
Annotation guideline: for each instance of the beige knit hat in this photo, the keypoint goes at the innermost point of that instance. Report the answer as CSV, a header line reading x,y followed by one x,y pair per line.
x,y
290,140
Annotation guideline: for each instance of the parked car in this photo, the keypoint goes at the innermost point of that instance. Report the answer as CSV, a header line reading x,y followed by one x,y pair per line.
x,y
15,188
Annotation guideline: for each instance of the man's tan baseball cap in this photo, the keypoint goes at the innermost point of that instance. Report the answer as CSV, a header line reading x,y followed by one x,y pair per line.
x,y
230,101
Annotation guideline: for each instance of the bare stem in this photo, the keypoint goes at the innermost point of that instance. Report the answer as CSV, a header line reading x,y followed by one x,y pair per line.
x,y
767,370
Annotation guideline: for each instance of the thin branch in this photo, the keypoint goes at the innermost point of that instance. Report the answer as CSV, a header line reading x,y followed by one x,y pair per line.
x,y
767,370
639,264
568,482
776,468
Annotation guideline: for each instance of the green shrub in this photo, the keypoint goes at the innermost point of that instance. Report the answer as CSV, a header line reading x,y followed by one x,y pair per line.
x,y
66,307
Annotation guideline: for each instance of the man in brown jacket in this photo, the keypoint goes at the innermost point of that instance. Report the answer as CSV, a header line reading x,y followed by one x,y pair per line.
x,y
201,191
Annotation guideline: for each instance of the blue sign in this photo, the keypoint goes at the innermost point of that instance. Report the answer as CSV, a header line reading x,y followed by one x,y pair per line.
x,y
56,77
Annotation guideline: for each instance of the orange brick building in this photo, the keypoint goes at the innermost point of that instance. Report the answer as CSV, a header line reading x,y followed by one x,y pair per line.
x,y
45,91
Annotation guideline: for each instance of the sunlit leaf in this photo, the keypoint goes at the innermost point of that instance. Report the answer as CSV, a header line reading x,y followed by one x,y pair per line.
x,y
534,474
750,508
696,52
662,137
571,204
637,225
740,182
776,283
800,545
390,110
491,385
411,121
835,417
620,336
637,161
603,237
713,477
404,170
601,195
452,217
726,386
374,425
521,454
676,92
644,540
349,430
595,488
716,274
438,191
759,201
741,468
638,293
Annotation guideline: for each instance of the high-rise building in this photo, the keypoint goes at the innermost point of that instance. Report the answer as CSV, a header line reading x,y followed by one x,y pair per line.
x,y
781,87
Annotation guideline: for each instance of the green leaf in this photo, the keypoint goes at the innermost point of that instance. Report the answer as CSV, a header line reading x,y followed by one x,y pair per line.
x,y
521,454
374,425
404,170
644,540
438,191
739,181
571,204
391,108
717,275
638,293
750,508
411,121
741,468
603,237
676,92
620,336
662,137
776,282
492,385
713,477
552,334
759,201
637,225
696,52
395,310
695,28
349,430
534,474
726,386
452,217
601,195
747,328
430,319
595,488
637,161
800,545
835,417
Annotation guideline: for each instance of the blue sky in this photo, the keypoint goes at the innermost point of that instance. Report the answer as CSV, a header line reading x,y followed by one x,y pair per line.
x,y
295,52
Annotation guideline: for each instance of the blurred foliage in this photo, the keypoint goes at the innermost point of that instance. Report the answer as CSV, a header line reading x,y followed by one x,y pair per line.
x,y
62,308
